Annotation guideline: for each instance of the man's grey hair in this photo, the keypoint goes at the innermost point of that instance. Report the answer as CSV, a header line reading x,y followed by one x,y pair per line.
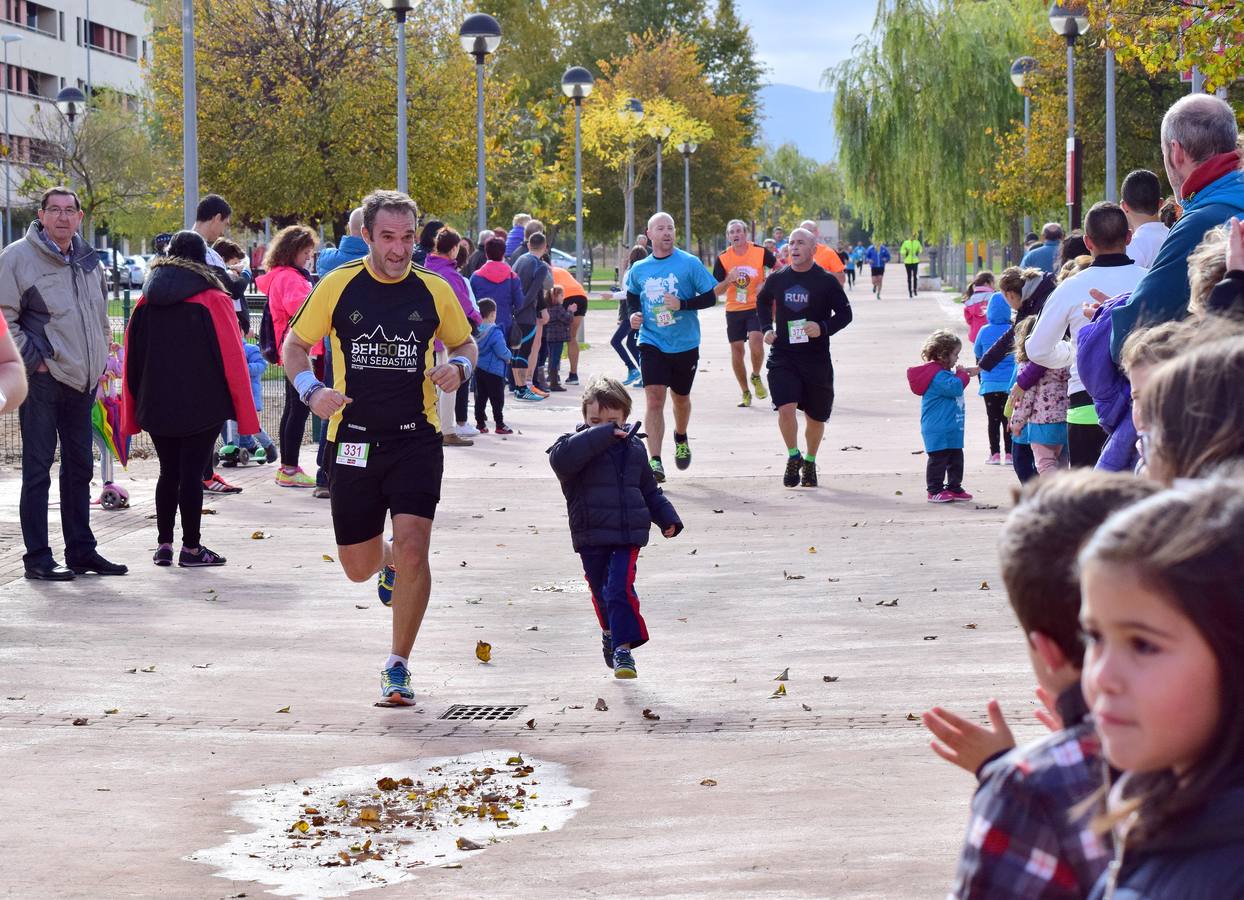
x,y
656,217
734,222
1203,125
485,235
394,201
533,226
354,227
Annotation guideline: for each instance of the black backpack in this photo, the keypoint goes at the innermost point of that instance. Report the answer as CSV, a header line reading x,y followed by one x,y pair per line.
x,y
267,335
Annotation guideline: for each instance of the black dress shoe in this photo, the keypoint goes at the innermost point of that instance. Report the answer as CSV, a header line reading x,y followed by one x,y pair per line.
x,y
99,566
52,571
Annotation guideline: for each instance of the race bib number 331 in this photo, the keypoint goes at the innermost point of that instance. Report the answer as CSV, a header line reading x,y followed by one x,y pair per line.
x,y
350,454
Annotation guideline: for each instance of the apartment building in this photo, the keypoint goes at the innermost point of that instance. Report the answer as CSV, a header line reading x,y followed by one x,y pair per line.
x,y
90,44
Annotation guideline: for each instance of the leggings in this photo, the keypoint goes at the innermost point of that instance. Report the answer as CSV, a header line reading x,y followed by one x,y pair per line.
x,y
913,277
489,388
944,470
626,338
996,420
293,425
181,483
1022,462
850,278
1047,457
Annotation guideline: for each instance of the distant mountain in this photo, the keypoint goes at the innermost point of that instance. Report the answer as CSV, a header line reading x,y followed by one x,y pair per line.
x,y
800,116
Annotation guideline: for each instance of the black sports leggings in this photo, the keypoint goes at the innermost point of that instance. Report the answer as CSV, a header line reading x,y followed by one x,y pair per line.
x,y
995,404
181,483
850,278
293,425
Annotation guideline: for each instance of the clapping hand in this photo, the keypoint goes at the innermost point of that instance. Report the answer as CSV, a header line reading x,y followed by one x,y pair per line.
x,y
966,744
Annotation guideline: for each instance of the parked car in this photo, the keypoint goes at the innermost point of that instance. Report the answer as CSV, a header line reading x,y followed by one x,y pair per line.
x,y
564,260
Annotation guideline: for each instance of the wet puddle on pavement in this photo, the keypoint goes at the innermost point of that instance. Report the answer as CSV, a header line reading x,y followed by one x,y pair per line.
x,y
364,827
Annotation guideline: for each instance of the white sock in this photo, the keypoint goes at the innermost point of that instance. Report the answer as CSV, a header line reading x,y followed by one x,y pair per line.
x,y
394,659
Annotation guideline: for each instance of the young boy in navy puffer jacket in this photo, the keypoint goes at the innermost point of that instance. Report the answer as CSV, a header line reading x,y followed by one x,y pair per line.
x,y
613,500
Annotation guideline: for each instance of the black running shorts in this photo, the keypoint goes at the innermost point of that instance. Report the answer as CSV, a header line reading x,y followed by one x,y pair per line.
x,y
402,476
577,305
877,271
740,323
674,370
809,384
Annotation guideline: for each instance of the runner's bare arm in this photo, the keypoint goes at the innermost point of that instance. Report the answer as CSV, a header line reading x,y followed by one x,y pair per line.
x,y
12,375
296,354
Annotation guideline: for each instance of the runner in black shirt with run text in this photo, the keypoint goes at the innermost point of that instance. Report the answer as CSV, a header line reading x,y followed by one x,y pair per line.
x,y
799,307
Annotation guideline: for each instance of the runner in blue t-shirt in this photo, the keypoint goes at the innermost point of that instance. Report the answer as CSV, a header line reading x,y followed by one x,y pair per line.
x,y
663,293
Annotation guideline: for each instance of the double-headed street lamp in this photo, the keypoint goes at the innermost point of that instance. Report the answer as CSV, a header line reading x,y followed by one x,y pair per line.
x,y
400,8
1020,70
8,141
480,35
632,113
1071,20
687,148
662,133
577,84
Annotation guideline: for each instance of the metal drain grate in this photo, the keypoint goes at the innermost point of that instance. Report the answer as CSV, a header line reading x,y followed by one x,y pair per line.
x,y
460,713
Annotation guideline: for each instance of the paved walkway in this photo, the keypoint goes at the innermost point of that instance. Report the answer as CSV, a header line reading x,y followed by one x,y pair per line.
x,y
827,791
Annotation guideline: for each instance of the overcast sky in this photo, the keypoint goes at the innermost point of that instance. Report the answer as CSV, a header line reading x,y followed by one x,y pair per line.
x,y
799,39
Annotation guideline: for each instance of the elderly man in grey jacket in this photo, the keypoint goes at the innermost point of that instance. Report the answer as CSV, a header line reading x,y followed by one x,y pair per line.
x,y
53,297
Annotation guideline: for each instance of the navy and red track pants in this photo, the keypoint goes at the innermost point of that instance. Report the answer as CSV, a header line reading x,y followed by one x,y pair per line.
x,y
610,573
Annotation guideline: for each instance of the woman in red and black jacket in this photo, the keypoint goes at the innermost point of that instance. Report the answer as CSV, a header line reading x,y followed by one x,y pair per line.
x,y
185,374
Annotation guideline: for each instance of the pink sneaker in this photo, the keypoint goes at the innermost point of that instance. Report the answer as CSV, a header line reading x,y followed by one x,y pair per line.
x,y
994,460
960,494
1009,460
941,497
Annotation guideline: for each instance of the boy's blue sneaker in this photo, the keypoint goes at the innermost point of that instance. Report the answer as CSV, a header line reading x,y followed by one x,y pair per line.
x,y
384,585
632,376
606,646
395,685
623,664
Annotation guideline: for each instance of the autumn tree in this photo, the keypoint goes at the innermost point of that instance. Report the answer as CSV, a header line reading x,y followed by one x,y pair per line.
x,y
1166,36
110,160
810,189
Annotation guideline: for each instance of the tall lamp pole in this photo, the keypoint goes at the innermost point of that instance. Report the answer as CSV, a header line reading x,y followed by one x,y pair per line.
x,y
189,117
661,135
480,35
632,114
577,84
71,103
400,8
687,148
1071,20
1112,172
1020,70
8,142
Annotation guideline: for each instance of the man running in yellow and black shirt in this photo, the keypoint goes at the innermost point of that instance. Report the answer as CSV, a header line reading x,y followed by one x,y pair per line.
x,y
740,272
384,451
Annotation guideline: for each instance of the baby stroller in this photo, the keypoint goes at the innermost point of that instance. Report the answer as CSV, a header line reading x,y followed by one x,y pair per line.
x,y
106,425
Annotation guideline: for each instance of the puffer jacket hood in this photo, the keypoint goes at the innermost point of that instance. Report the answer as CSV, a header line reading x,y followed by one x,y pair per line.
x,y
495,270
175,280
920,377
999,311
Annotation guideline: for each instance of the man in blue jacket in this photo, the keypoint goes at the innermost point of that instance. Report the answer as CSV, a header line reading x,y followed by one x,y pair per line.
x,y
1199,137
352,247
1043,255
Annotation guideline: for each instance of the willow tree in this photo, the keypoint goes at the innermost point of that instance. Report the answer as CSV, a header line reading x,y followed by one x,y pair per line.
x,y
916,107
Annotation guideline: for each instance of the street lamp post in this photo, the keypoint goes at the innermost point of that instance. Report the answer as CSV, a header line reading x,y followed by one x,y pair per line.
x,y
577,84
71,103
400,8
1112,173
189,117
662,134
687,148
1071,20
632,114
8,142
480,35
1020,70
776,188
764,181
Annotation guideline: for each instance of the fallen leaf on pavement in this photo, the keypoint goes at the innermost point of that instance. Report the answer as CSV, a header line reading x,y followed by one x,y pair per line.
x,y
970,625
829,678
327,558
531,724
149,669
930,637
984,585
898,493
360,606
131,671
790,577
912,717
709,782
468,844
851,447
283,709
719,510
784,676
498,508
257,535
201,665
111,712
82,721
369,814
806,708
780,692
301,825
649,714
601,705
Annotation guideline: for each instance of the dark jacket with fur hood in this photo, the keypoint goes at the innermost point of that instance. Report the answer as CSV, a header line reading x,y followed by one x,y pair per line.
x,y
185,370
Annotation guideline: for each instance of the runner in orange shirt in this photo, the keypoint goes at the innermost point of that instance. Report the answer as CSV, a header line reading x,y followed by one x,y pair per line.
x,y
825,257
740,272
576,302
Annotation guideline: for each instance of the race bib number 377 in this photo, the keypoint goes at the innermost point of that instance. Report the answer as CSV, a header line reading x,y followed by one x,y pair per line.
x,y
797,334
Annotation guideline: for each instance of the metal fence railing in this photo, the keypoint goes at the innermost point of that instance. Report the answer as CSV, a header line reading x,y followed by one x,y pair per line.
x,y
272,384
